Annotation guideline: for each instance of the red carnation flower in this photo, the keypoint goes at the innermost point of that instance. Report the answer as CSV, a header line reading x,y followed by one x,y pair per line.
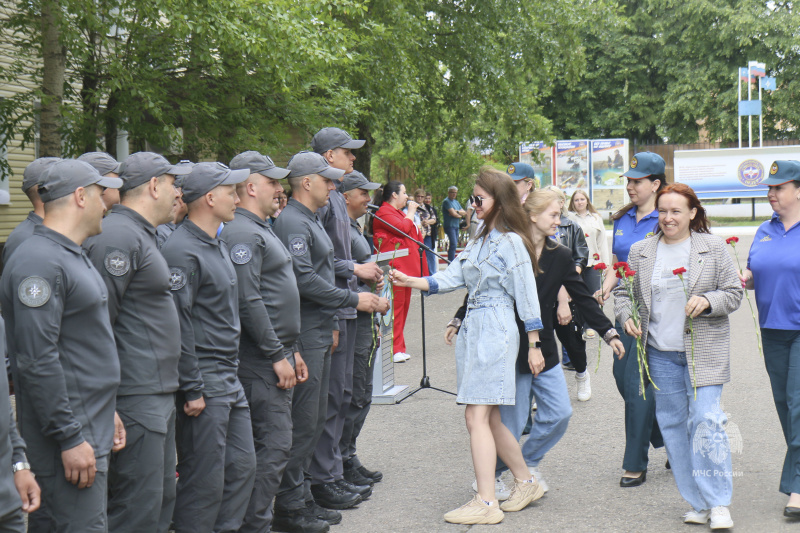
x,y
585,234
600,266
619,273
596,257
679,271
629,273
620,264
732,240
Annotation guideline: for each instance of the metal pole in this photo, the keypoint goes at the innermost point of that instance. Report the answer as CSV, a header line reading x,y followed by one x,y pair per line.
x,y
749,117
760,118
739,77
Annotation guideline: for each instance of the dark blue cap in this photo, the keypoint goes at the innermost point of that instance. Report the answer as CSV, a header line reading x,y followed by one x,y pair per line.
x,y
645,164
781,172
520,171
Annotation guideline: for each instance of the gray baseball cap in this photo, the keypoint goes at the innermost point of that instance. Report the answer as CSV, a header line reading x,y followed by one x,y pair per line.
x,y
207,176
357,180
36,170
102,161
331,138
179,178
305,163
259,164
141,167
65,176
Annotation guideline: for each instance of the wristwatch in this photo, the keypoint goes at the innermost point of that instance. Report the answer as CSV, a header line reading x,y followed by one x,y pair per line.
x,y
22,465
537,344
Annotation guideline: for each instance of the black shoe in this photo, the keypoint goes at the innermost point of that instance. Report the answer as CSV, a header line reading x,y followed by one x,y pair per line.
x,y
330,495
374,475
627,482
354,476
299,521
568,366
667,466
365,491
791,512
320,513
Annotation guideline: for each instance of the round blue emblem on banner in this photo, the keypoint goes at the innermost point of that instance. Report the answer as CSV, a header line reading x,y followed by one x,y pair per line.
x,y
750,172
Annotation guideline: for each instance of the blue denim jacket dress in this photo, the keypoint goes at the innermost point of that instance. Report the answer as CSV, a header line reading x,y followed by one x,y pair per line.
x,y
497,272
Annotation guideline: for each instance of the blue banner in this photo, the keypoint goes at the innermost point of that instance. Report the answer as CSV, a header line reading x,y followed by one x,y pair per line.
x,y
768,84
749,108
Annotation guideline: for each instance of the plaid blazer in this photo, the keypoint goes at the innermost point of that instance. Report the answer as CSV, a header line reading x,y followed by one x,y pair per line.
x,y
711,274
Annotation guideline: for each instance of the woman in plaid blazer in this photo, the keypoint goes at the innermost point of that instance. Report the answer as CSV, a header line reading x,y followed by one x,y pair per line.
x,y
686,285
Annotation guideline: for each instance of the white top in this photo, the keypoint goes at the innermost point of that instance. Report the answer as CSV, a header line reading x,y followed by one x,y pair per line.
x,y
668,316
595,233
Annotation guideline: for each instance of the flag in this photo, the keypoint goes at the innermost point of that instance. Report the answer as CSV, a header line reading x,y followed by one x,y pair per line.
x,y
757,69
767,83
743,75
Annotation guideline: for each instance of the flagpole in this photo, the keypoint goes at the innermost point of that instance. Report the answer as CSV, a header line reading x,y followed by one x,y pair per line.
x,y
760,117
739,77
749,117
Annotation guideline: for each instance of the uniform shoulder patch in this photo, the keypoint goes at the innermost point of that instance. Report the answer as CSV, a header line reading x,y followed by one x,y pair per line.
x,y
117,263
241,254
298,245
177,278
34,291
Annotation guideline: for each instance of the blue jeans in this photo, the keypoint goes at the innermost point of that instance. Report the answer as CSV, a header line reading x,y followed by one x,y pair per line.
x,y
694,431
452,236
552,414
782,359
433,261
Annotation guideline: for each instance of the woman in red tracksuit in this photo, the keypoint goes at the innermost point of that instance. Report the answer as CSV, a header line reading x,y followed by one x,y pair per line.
x,y
386,238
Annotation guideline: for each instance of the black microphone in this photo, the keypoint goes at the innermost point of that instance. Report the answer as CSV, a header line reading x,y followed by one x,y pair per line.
x,y
372,207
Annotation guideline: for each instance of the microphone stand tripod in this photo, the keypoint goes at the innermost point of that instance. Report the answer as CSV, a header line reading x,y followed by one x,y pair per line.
x,y
425,382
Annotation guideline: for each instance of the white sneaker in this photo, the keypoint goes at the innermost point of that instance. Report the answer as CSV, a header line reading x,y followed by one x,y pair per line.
x,y
501,491
400,357
584,386
697,517
534,407
721,518
539,479
589,334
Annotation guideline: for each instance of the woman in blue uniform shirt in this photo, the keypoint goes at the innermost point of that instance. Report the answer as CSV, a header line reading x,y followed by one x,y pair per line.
x,y
634,222
773,270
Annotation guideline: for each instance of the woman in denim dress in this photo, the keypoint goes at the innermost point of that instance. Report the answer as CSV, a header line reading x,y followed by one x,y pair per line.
x,y
498,271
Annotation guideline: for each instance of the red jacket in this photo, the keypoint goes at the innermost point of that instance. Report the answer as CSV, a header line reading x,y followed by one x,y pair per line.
x,y
410,264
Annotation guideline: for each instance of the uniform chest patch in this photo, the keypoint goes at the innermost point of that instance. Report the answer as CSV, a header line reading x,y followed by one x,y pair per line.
x,y
177,278
298,246
34,291
241,254
117,263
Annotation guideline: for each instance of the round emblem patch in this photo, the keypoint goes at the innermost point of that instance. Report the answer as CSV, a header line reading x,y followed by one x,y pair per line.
x,y
511,169
117,263
177,278
634,162
241,254
34,291
750,172
298,246
773,169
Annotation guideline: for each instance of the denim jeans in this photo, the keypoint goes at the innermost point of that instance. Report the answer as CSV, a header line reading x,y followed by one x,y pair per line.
x,y
552,414
782,359
694,433
433,261
452,236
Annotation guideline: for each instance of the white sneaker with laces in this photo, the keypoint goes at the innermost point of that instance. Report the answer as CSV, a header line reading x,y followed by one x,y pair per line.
x,y
501,491
697,517
400,357
721,518
584,386
539,479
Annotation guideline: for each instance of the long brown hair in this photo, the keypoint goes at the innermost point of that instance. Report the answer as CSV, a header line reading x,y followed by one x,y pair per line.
x,y
589,205
699,224
506,214
662,182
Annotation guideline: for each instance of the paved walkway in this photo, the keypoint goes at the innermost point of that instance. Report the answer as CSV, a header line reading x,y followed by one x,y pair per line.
x,y
422,447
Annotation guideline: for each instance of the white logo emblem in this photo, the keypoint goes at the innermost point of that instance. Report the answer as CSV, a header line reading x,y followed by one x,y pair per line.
x,y
34,291
177,278
241,254
716,437
297,246
117,263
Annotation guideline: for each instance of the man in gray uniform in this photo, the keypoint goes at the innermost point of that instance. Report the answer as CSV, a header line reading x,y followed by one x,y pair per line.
x,y
312,256
356,189
106,166
31,179
62,352
141,480
269,309
163,231
326,470
216,457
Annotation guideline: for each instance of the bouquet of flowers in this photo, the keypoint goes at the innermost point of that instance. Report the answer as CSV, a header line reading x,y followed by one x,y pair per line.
x,y
626,275
680,272
732,241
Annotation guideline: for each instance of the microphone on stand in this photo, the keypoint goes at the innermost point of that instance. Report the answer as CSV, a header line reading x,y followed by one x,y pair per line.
x,y
372,207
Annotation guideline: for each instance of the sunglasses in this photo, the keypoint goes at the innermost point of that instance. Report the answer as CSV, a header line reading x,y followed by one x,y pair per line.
x,y
478,200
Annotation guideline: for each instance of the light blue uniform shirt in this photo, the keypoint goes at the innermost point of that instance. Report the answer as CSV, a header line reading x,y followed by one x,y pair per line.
x,y
775,262
627,232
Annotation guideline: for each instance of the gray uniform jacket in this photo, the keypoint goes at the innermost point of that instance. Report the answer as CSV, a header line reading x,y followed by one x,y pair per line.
x,y
269,302
311,249
140,303
61,347
23,230
163,231
12,447
204,288
360,250
336,222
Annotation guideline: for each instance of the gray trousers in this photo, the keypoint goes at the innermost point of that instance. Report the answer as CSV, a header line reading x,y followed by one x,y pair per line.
x,y
141,476
271,415
12,522
309,406
362,386
216,464
326,464
69,509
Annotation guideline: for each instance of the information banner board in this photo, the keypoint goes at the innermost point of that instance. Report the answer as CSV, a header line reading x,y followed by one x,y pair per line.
x,y
572,165
729,172
609,161
544,166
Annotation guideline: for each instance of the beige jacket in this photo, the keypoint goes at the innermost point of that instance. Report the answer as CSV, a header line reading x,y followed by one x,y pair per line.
x,y
711,274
